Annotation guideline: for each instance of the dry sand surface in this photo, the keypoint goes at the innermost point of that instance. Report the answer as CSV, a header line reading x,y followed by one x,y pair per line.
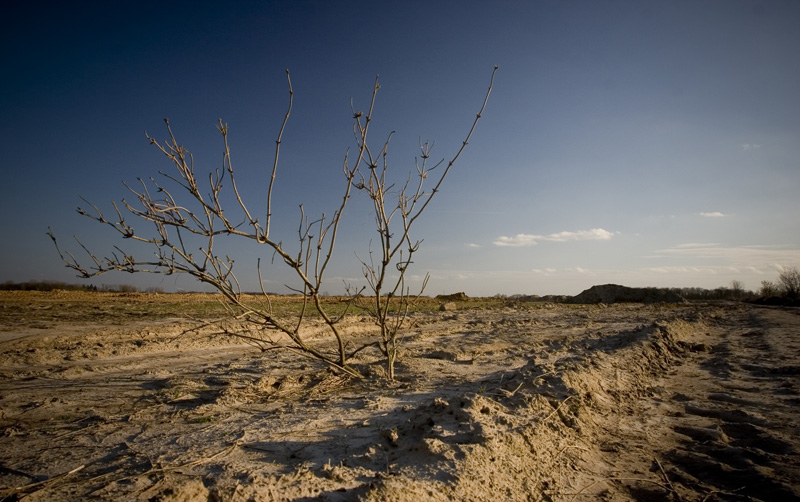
x,y
102,399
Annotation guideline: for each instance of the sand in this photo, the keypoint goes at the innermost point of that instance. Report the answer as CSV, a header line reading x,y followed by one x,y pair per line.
x,y
103,398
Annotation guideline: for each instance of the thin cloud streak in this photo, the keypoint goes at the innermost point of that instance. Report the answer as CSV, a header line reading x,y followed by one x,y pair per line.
x,y
522,240
692,245
757,257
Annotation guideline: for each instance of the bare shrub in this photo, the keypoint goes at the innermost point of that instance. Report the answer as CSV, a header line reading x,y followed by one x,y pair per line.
x,y
187,222
768,289
789,279
737,289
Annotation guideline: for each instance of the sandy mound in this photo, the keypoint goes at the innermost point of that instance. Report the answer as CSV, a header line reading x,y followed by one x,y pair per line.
x,y
460,296
613,293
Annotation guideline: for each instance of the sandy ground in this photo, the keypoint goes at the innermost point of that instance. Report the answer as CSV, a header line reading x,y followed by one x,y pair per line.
x,y
102,399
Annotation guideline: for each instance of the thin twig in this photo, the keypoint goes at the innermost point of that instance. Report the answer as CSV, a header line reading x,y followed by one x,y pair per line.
x,y
666,479
558,408
43,483
511,393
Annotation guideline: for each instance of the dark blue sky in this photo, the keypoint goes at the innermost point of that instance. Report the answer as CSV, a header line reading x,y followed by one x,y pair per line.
x,y
643,143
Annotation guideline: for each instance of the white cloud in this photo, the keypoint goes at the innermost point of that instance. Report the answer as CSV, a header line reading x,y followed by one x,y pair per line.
x,y
521,240
579,270
472,245
715,214
580,235
750,146
517,240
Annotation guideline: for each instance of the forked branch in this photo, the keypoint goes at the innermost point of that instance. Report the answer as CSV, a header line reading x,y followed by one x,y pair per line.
x,y
386,276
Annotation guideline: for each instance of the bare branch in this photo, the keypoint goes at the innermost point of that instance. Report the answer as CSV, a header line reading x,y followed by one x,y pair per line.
x,y
277,152
186,223
392,302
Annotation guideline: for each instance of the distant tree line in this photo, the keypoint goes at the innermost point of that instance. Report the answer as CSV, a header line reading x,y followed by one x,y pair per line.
x,y
784,291
734,292
533,298
786,288
66,286
45,286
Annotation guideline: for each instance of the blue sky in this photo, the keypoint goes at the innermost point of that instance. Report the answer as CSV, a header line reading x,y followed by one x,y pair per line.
x,y
639,143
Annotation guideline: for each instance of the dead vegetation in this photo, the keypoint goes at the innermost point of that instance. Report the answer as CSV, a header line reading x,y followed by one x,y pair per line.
x,y
190,216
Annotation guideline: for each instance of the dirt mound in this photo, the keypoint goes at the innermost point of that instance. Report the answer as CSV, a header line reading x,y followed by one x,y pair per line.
x,y
528,431
453,297
614,293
